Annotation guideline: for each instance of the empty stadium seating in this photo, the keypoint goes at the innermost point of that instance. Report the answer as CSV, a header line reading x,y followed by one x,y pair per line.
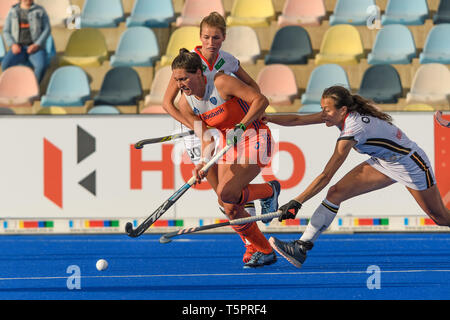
x,y
411,12
58,11
68,86
184,37
290,45
253,13
159,86
302,13
238,35
381,83
277,82
151,13
352,12
394,44
14,95
104,109
341,44
101,14
437,45
137,46
310,108
195,10
442,14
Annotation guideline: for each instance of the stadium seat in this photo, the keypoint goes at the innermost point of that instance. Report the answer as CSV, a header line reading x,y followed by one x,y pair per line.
x,y
153,109
418,107
341,44
104,109
14,95
184,37
5,6
50,48
58,11
120,86
101,14
310,108
277,82
159,86
381,83
52,111
137,46
195,10
238,35
442,14
437,45
394,44
430,85
68,86
252,13
290,45
302,13
322,77
6,110
354,12
411,12
151,13
85,48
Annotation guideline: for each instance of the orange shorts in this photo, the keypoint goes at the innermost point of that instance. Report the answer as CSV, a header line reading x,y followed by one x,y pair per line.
x,y
256,147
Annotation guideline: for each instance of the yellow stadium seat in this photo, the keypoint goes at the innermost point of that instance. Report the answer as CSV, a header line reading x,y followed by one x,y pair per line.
x,y
184,37
86,48
52,110
342,45
418,107
253,13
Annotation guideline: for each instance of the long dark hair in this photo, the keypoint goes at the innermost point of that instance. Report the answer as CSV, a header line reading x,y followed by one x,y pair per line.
x,y
187,60
354,103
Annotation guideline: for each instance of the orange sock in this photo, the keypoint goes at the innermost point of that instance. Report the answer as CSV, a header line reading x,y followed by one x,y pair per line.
x,y
256,191
252,233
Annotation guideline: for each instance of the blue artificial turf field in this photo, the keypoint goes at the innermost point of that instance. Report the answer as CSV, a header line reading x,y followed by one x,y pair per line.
x,y
209,267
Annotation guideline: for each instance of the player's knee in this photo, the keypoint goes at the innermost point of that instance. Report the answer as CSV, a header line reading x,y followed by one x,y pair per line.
x,y
228,195
333,193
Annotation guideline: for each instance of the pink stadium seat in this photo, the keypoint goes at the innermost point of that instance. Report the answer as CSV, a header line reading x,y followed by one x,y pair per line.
x,y
302,13
195,10
5,5
278,84
153,110
14,95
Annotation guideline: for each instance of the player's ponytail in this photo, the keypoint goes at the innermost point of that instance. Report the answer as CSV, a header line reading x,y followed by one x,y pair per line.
x,y
187,60
354,103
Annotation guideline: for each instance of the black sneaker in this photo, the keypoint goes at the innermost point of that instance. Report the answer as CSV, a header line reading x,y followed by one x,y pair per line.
x,y
294,251
260,259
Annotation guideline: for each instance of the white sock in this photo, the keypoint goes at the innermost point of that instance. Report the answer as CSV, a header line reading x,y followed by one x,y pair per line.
x,y
320,221
249,207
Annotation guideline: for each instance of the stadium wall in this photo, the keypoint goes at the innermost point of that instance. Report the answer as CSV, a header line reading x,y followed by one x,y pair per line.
x,y
81,174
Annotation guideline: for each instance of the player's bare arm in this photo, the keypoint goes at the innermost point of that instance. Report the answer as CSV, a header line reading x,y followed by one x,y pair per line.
x,y
289,120
168,103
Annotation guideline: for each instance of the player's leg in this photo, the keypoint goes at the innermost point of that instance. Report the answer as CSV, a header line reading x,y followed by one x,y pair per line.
x,y
232,179
362,179
431,203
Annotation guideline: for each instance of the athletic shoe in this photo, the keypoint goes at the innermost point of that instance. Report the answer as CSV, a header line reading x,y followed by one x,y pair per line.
x,y
269,205
260,259
294,251
249,251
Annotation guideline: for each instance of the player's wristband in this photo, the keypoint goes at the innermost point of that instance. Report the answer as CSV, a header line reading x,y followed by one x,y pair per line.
x,y
241,126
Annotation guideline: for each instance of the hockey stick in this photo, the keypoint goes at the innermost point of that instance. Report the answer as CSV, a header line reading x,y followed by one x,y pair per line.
x,y
169,202
142,143
441,120
166,238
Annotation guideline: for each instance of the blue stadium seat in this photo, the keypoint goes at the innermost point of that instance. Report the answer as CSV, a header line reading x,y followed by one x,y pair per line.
x,y
411,12
151,13
68,86
120,86
381,83
442,14
437,45
352,12
394,44
137,46
101,14
310,108
2,49
322,77
290,45
50,49
104,109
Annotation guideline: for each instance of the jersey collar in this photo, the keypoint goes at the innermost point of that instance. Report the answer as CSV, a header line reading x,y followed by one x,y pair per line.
x,y
197,51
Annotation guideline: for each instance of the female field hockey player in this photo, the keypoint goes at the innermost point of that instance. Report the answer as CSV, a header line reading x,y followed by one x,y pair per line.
x,y
226,103
212,35
394,158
